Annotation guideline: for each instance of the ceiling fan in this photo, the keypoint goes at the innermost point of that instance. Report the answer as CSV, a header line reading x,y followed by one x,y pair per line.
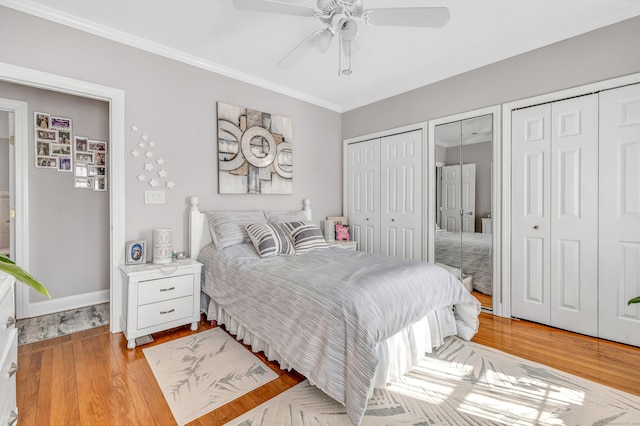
x,y
340,19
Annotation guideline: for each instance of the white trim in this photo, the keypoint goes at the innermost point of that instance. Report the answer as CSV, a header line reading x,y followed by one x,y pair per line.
x,y
496,184
61,304
507,109
20,110
422,126
115,97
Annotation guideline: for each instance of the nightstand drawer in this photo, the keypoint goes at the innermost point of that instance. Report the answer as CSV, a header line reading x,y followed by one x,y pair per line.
x,y
7,313
8,370
164,289
165,311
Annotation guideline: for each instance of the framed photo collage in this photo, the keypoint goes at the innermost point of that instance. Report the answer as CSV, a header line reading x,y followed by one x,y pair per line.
x,y
58,149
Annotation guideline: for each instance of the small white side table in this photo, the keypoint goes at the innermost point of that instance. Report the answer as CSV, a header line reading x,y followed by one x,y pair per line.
x,y
159,297
349,245
486,225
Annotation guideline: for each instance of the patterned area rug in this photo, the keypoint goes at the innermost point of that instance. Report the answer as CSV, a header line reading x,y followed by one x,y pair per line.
x,y
463,383
204,371
32,330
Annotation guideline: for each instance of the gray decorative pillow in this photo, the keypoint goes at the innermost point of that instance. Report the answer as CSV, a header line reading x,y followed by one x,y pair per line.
x,y
269,240
285,216
227,226
305,236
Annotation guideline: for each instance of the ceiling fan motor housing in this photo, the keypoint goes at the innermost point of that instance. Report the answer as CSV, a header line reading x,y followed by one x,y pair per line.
x,y
329,8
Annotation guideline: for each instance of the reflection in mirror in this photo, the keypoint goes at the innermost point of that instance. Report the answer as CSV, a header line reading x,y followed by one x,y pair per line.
x,y
463,242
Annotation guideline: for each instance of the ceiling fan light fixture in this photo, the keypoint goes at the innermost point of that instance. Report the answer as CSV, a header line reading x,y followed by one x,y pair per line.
x,y
348,28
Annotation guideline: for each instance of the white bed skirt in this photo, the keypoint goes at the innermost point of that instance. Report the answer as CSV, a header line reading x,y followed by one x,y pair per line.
x,y
397,354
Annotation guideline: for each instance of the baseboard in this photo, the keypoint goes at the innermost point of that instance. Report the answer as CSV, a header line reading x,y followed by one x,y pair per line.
x,y
68,303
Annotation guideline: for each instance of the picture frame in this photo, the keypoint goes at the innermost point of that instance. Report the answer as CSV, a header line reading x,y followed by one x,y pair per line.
x,y
47,162
64,163
50,135
135,252
84,157
100,184
97,146
83,183
81,143
41,120
60,123
64,137
81,170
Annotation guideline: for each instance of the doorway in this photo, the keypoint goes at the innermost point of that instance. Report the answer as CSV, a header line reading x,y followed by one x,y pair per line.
x,y
115,98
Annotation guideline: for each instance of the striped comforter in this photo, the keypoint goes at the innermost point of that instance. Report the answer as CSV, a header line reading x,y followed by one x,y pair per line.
x,y
326,311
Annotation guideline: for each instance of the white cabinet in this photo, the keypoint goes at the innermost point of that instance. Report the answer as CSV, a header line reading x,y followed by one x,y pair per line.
x,y
384,194
349,245
486,225
8,352
159,297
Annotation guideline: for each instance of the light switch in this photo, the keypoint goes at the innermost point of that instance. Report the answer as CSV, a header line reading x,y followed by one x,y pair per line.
x,y
154,197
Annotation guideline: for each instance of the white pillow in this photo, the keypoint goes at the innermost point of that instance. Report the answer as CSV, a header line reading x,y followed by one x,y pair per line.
x,y
269,240
227,226
305,236
285,216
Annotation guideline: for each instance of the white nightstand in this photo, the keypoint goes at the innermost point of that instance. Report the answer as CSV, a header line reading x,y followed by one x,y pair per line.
x,y
349,245
158,297
8,352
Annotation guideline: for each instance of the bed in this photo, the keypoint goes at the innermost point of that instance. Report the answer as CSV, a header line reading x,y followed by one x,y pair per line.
x,y
476,254
348,321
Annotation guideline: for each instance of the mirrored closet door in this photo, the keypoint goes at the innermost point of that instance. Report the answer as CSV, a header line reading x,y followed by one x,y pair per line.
x,y
463,237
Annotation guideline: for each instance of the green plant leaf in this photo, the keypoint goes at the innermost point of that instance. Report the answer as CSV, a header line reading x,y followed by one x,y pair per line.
x,y
634,300
9,266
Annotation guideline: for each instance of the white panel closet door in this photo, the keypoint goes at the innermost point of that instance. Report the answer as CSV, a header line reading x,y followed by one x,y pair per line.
x,y
530,210
401,195
363,194
451,198
620,214
574,214
468,197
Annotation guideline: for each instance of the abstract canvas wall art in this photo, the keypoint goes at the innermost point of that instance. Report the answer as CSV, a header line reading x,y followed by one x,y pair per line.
x,y
254,151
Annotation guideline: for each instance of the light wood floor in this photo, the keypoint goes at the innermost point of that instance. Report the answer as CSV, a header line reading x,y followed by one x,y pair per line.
x,y
91,378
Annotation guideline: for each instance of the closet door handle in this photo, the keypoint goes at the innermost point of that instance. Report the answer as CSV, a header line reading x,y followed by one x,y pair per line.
x,y
10,321
13,369
536,227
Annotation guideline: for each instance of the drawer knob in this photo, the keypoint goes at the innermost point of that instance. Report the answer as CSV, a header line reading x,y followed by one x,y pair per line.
x,y
13,370
167,312
10,321
167,289
13,418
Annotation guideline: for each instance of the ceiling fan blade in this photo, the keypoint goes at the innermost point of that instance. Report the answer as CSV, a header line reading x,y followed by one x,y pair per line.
x,y
274,7
433,17
320,39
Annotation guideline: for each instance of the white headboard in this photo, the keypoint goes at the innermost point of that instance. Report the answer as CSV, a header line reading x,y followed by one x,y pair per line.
x,y
199,235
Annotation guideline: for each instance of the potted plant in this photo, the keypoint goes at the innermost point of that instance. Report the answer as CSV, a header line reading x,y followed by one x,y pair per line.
x,y
9,266
634,300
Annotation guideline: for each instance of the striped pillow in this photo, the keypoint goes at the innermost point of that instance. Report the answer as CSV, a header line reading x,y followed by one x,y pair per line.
x,y
305,236
285,216
227,226
269,240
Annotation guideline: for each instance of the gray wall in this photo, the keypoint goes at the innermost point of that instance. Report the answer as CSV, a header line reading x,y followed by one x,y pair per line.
x,y
595,56
175,105
68,227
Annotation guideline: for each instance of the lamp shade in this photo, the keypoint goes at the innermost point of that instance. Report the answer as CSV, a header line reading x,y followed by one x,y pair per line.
x,y
162,245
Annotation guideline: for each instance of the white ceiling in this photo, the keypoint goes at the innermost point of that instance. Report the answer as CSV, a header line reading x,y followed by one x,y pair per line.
x,y
212,34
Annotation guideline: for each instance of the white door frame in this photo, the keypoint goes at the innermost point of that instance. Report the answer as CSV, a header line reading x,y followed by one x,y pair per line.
x,y
505,207
20,181
115,98
496,196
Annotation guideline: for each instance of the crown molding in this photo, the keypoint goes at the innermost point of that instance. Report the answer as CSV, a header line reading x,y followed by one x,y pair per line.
x,y
62,18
